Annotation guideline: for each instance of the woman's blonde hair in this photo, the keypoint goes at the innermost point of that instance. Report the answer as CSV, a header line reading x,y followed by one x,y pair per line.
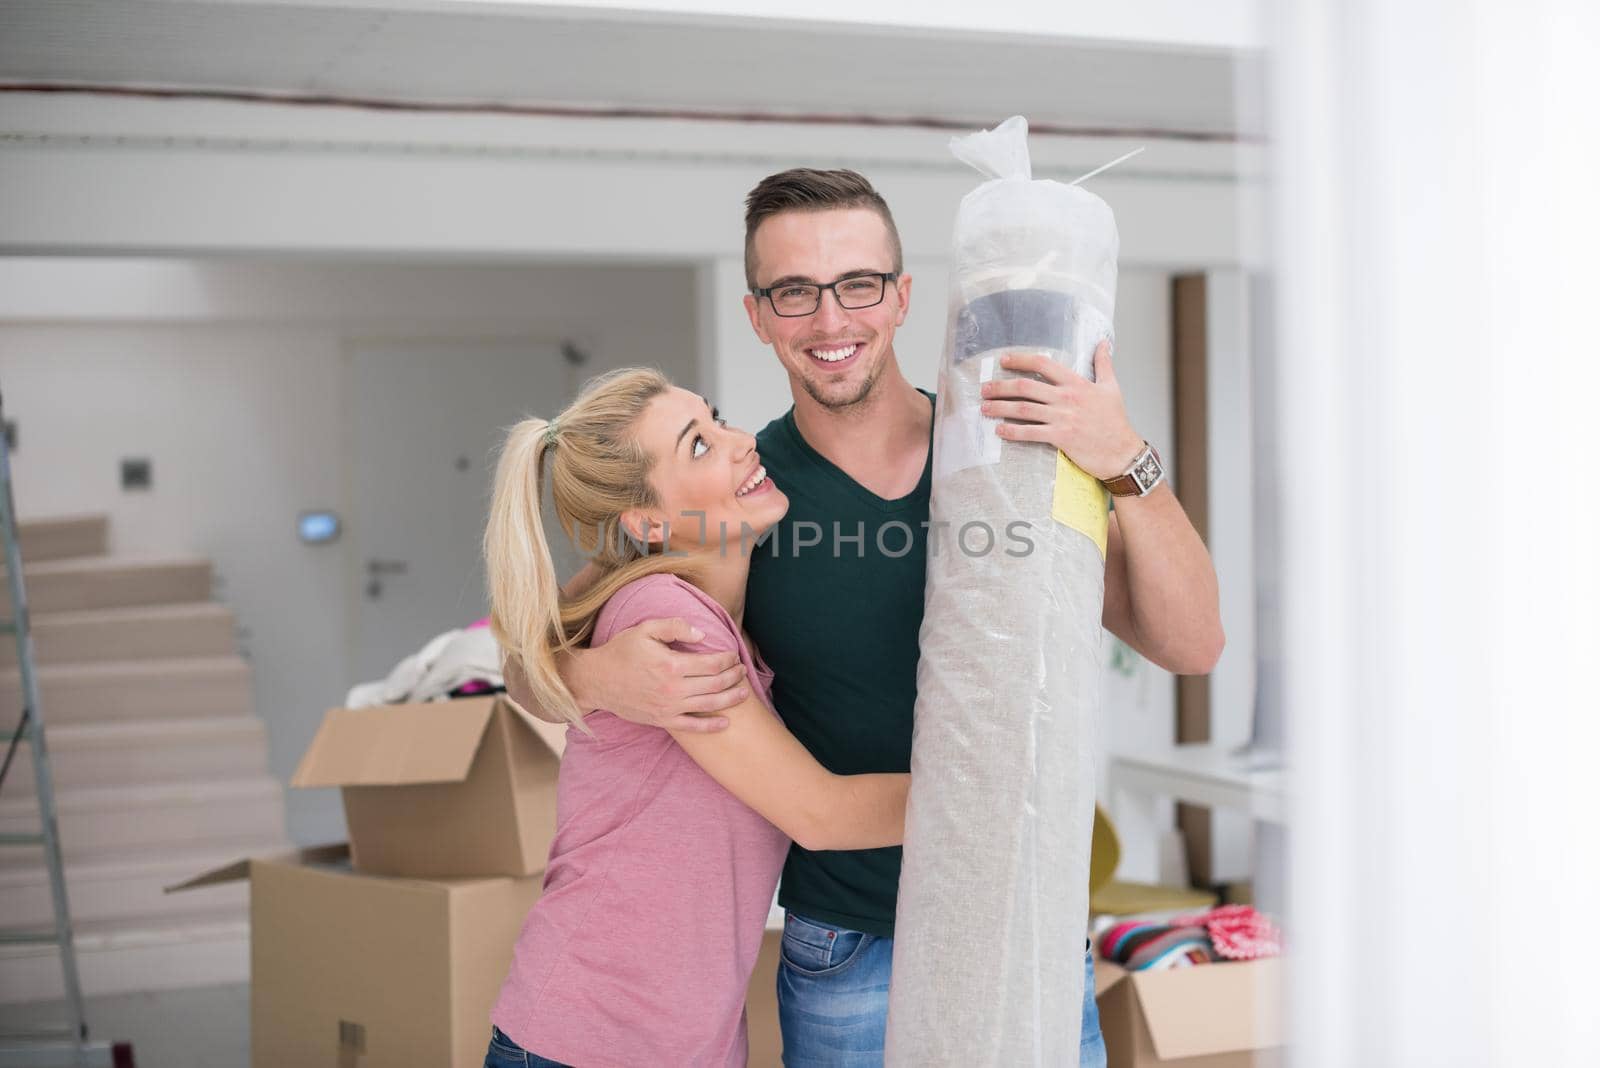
x,y
597,471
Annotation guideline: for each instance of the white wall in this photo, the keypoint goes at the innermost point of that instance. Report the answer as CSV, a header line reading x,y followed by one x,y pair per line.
x,y
228,376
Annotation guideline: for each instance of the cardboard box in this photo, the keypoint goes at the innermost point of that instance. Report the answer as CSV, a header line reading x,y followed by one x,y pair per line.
x,y
362,971
1223,1015
761,1005
443,789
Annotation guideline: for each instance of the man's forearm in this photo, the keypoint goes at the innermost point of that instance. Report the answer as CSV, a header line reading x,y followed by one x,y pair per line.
x,y
1171,584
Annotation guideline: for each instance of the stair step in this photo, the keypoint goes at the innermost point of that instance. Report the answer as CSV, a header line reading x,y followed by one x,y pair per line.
x,y
119,958
180,630
110,821
130,889
27,936
86,583
117,690
152,751
59,537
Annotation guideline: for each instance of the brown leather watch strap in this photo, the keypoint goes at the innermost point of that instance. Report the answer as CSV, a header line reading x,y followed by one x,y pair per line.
x,y
1122,486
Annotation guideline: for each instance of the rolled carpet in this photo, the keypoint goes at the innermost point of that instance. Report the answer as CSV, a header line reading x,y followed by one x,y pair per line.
x,y
993,901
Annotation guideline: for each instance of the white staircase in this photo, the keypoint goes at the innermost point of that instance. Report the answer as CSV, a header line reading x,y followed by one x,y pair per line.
x,y
160,769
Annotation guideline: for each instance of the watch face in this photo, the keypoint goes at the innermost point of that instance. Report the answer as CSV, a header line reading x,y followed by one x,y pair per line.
x,y
1147,471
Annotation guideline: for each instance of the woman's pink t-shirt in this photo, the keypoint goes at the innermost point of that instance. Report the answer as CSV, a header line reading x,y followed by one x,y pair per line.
x,y
658,887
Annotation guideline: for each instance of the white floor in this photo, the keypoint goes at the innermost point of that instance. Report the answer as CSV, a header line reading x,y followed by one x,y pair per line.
x,y
205,1027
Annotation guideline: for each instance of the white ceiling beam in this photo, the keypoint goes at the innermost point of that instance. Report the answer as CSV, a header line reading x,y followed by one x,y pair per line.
x,y
1216,25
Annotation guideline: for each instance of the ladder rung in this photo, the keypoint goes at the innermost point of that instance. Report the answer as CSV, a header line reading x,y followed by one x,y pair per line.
x,y
21,838
27,936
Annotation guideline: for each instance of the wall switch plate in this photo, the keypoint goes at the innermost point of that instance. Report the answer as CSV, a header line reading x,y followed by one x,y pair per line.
x,y
136,473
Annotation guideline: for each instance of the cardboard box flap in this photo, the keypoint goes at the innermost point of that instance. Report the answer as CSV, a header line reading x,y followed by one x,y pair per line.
x,y
1106,975
240,869
396,745
1212,1008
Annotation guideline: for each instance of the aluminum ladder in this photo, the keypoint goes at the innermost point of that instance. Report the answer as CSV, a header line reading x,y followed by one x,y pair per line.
x,y
68,1043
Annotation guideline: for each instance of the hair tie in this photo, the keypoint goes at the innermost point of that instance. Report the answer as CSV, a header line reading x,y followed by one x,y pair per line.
x,y
550,430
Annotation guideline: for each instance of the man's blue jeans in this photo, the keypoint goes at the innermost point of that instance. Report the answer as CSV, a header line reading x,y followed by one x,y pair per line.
x,y
833,998
504,1053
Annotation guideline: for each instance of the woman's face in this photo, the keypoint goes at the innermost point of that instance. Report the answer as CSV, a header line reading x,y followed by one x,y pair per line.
x,y
707,476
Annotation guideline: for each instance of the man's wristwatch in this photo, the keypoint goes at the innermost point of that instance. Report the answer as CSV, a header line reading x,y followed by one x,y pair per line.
x,y
1141,476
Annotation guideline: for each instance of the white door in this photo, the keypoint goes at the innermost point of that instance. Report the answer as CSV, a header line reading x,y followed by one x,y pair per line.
x,y
425,421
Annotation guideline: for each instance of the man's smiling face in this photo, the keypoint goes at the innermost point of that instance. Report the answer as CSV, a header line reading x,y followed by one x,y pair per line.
x,y
835,354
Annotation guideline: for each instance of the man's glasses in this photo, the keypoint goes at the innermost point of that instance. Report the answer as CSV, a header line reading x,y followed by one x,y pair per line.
x,y
854,293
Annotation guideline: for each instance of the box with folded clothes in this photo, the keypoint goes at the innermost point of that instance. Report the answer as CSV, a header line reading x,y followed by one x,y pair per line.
x,y
1221,1015
1197,991
363,970
441,789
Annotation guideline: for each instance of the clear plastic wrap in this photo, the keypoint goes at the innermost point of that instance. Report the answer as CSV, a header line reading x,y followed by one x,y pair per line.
x,y
993,905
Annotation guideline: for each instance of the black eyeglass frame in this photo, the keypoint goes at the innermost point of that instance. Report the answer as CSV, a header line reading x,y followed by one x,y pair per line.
x,y
885,276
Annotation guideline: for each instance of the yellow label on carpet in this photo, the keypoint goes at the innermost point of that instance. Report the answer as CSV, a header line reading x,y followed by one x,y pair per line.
x,y
1081,502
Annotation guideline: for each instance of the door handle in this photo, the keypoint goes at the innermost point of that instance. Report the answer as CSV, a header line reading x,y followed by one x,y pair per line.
x,y
376,570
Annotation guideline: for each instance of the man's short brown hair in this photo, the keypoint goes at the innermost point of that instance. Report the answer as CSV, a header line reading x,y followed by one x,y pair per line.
x,y
805,189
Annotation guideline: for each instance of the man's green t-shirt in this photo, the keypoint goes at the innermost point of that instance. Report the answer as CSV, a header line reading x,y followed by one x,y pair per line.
x,y
834,605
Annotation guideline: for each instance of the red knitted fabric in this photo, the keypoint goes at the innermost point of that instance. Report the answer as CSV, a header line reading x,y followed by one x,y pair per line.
x,y
1238,932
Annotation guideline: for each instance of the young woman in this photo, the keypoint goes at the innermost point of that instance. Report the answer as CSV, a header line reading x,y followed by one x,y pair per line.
x,y
668,845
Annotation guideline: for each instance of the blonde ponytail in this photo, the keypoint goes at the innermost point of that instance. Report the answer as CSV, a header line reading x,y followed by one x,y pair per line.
x,y
597,471
524,593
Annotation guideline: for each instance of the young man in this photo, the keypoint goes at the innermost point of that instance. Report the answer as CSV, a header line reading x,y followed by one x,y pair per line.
x,y
835,599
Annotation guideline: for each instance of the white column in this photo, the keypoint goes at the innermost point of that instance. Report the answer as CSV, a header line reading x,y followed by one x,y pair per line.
x,y
1231,540
738,374
1437,396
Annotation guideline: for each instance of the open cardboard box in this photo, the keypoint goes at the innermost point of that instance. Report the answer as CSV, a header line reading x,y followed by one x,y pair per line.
x,y
349,970
441,789
352,969
1221,1015
359,971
